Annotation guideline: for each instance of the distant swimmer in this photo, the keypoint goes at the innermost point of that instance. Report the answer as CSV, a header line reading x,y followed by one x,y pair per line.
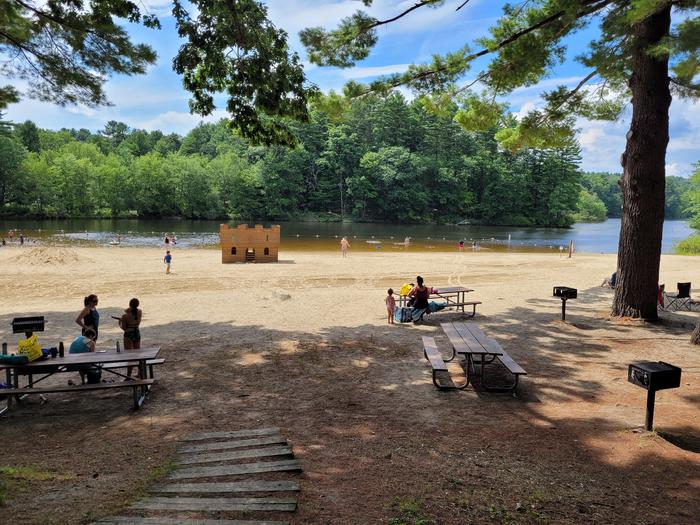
x,y
344,245
461,246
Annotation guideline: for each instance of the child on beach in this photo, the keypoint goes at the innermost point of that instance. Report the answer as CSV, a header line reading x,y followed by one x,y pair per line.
x,y
167,260
390,305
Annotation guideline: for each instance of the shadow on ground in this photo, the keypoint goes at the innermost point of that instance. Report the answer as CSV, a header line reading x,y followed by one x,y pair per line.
x,y
371,430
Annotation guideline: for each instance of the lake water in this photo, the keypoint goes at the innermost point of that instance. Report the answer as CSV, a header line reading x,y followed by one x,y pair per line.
x,y
587,237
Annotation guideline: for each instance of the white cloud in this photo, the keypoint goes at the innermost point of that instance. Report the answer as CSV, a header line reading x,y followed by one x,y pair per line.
x,y
673,170
295,15
174,121
159,8
591,137
372,71
525,109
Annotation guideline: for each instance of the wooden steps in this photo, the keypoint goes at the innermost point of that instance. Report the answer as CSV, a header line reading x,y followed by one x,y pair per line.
x,y
239,454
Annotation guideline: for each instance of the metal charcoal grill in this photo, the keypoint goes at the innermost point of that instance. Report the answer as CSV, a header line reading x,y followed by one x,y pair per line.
x,y
653,376
22,325
564,293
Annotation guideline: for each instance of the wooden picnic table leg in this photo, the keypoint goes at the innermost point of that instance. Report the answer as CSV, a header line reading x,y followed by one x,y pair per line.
x,y
15,384
141,391
8,379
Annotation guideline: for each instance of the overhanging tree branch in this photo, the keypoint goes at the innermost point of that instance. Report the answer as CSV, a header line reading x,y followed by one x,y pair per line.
x,y
590,7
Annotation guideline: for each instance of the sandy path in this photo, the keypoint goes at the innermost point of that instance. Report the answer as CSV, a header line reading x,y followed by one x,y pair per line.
x,y
304,345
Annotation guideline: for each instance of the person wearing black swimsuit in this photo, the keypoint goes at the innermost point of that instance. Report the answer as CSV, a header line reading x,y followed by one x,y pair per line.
x,y
89,317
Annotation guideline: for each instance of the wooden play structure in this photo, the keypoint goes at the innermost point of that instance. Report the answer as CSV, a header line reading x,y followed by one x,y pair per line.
x,y
243,244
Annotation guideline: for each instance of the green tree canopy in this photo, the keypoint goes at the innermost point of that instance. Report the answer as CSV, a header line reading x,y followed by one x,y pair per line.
x,y
66,49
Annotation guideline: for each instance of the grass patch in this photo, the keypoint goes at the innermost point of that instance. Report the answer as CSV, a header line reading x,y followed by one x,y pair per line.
x,y
410,512
689,246
160,472
17,478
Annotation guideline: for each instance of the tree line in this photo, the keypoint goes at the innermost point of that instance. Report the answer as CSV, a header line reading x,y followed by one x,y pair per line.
x,y
601,197
382,158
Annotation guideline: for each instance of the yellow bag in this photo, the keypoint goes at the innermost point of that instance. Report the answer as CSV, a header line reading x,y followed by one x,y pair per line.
x,y
31,348
405,289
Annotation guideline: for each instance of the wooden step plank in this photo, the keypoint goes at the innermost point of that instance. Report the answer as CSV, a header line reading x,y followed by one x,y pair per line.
x,y
240,443
233,434
233,470
139,520
235,486
216,504
235,454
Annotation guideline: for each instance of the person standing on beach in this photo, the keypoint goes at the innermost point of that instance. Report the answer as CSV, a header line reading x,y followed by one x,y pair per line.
x,y
390,305
344,245
21,239
89,317
166,240
130,321
168,259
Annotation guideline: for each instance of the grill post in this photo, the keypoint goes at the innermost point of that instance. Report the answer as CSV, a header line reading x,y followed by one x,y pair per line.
x,y
563,308
649,422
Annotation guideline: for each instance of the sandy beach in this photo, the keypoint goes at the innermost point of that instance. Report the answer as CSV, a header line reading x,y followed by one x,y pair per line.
x,y
304,345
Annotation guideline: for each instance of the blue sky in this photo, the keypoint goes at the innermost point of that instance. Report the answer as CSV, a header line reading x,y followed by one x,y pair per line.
x,y
158,101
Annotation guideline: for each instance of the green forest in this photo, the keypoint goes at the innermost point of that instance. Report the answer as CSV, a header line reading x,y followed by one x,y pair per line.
x,y
379,158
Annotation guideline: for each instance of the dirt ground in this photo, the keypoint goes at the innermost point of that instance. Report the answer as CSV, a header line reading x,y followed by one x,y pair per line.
x,y
304,345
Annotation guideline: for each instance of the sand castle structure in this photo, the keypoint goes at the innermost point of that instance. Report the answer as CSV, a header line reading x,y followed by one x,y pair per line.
x,y
244,244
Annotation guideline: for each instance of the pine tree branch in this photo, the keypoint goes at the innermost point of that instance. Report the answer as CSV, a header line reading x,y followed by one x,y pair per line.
x,y
399,16
43,14
591,6
462,5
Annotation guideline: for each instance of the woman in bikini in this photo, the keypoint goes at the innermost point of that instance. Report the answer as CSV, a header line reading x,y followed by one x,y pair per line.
x,y
130,321
89,317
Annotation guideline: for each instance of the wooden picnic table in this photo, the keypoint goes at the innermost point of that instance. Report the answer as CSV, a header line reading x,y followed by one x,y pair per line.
x,y
469,341
455,296
101,359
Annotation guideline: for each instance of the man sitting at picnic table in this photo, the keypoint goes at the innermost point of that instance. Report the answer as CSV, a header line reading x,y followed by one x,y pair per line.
x,y
421,305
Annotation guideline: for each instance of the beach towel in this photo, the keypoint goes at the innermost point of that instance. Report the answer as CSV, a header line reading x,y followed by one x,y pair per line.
x,y
418,313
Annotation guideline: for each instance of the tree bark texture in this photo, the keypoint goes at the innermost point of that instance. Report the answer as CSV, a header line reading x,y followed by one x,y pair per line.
x,y
643,180
695,337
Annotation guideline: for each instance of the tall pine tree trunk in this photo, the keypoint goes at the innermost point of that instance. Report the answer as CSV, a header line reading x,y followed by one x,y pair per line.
x,y
643,179
695,337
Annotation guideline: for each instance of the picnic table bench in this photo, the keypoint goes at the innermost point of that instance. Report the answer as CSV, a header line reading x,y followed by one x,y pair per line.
x,y
478,350
143,359
454,296
431,353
